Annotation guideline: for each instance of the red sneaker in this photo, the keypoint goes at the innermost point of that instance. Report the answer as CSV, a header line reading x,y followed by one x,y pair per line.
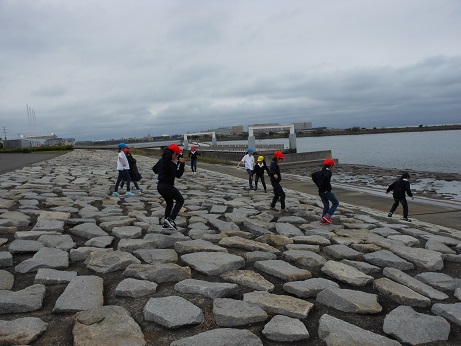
x,y
323,222
327,219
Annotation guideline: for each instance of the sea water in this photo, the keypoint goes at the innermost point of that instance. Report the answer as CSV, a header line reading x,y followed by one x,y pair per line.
x,y
432,151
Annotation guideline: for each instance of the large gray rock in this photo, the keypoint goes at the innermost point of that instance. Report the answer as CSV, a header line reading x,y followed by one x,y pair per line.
x,y
161,272
451,312
356,302
6,280
172,312
285,329
282,270
26,300
336,332
400,293
385,258
308,288
279,304
346,273
21,331
414,328
104,262
232,313
45,258
208,289
213,263
221,337
250,279
108,325
135,288
82,293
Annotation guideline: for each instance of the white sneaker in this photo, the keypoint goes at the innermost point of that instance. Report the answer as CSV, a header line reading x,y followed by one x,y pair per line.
x,y
116,194
128,194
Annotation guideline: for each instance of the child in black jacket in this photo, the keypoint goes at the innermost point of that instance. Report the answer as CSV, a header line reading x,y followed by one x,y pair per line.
x,y
167,170
399,188
259,169
276,178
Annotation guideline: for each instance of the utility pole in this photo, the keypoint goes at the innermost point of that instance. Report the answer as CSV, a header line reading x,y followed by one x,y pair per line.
x,y
4,131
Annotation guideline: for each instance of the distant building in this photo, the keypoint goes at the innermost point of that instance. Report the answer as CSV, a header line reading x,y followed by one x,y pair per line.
x,y
307,125
21,143
60,141
268,128
229,130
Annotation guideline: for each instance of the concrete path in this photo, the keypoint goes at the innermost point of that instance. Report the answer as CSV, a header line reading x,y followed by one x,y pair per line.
x,y
79,267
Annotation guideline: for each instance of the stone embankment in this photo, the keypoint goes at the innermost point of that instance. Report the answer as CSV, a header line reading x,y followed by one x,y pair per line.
x,y
79,267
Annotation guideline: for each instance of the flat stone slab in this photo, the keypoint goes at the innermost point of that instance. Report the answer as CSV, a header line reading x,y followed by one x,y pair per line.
x,y
439,280
6,280
131,232
213,263
157,255
451,312
82,293
279,304
282,270
426,259
414,284
48,276
285,329
198,245
232,313
308,288
304,258
409,326
340,251
135,288
24,246
356,302
45,258
346,273
250,279
106,325
21,331
104,262
6,259
247,244
158,273
386,258
400,293
101,241
61,241
88,231
337,332
26,300
208,289
221,337
288,230
172,312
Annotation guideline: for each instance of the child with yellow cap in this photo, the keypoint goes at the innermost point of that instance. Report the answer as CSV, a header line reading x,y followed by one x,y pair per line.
x,y
259,169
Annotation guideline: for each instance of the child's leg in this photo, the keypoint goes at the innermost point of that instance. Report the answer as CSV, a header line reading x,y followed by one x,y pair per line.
x,y
334,203
326,203
256,181
405,207
263,182
395,205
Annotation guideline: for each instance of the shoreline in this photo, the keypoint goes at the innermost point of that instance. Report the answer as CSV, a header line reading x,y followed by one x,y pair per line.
x,y
437,185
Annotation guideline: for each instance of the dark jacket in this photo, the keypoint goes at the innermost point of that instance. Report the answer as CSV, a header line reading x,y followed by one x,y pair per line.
x,y
193,154
167,171
399,188
259,170
134,173
273,170
326,183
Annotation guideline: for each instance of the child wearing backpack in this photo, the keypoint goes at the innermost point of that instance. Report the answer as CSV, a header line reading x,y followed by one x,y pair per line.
x,y
399,188
259,169
323,181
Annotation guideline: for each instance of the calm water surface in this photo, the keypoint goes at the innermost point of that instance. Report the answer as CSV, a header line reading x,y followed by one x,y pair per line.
x,y
433,151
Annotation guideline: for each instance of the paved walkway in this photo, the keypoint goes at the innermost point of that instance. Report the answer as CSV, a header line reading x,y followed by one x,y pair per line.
x,y
78,267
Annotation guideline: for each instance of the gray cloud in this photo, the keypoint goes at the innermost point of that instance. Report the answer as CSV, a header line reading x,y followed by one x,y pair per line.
x,y
111,69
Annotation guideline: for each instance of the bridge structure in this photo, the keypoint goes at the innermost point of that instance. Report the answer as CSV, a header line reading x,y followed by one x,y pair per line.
x,y
214,141
291,138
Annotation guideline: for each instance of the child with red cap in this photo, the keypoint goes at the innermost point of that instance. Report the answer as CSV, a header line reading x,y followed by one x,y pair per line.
x,y
325,192
167,170
276,177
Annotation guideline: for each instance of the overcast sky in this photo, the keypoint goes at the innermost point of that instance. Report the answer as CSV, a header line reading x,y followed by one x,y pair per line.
x,y
106,69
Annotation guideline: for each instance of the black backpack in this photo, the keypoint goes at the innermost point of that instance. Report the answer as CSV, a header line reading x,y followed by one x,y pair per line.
x,y
317,178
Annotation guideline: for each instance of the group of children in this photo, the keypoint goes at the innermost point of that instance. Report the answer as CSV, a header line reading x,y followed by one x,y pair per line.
x,y
171,166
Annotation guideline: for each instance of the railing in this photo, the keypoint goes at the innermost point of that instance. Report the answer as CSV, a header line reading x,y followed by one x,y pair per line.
x,y
241,148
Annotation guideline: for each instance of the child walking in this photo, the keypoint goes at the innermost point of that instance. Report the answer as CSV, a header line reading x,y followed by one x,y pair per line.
x,y
325,192
167,170
259,169
123,168
134,172
276,177
399,188
193,154
249,162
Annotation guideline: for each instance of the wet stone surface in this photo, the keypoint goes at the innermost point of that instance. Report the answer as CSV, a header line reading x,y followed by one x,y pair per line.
x,y
80,267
